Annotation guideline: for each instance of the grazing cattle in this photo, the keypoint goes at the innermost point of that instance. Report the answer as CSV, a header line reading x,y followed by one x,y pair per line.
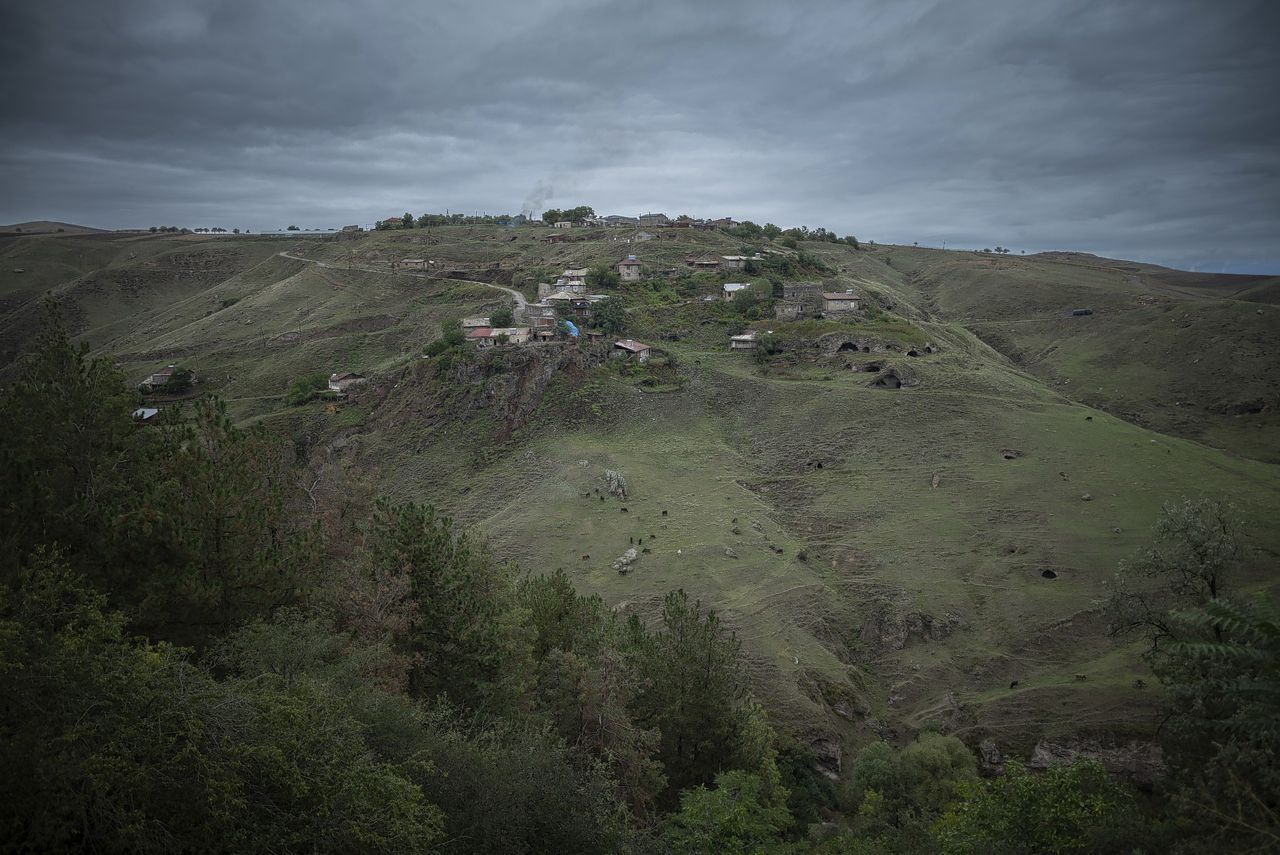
x,y
1013,684
586,558
1080,678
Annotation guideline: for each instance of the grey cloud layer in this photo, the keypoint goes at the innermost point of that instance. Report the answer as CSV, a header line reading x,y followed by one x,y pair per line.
x,y
1139,129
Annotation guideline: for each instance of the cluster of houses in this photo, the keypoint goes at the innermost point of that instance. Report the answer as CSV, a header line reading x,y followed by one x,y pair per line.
x,y
719,262
648,221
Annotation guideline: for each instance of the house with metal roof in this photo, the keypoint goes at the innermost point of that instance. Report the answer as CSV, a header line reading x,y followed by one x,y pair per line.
x,y
732,289
632,349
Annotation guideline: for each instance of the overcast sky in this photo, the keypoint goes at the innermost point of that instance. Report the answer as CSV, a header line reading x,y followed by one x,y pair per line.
x,y
1146,130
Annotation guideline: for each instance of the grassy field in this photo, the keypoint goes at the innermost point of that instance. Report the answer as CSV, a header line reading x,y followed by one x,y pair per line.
x,y
880,552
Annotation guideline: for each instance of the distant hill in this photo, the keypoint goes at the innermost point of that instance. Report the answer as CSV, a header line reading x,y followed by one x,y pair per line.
x,y
893,557
45,227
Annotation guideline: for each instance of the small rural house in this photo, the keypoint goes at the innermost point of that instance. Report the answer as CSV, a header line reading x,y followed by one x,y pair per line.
x,y
145,415
619,221
474,323
486,337
564,224
840,301
344,381
700,263
654,219
629,269
575,275
746,341
556,238
732,262
785,310
160,379
732,289
418,263
540,316
632,349
355,228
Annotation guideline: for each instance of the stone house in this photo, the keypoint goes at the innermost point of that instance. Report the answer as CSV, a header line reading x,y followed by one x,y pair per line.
x,y
732,289
837,302
632,349
746,341
344,381
486,337
629,269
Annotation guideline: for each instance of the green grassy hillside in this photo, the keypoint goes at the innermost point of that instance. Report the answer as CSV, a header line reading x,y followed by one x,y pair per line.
x,y
882,553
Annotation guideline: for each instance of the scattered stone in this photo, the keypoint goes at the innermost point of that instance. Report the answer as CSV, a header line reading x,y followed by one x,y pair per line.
x,y
1117,529
730,553
1139,683
1086,497
736,530
664,513
1080,678
1010,453
624,561
936,479
623,510
615,483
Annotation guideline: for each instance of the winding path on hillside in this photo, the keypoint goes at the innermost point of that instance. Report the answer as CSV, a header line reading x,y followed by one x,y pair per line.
x,y
521,303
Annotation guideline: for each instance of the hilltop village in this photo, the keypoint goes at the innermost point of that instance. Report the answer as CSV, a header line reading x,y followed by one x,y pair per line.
x,y
770,280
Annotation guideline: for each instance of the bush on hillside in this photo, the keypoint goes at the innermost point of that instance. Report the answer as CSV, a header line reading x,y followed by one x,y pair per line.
x,y
304,388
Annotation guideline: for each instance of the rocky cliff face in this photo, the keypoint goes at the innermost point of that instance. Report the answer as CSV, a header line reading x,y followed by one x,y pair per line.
x,y
506,383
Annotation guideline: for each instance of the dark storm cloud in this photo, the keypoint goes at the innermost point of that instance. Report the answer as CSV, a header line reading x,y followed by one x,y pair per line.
x,y
1133,129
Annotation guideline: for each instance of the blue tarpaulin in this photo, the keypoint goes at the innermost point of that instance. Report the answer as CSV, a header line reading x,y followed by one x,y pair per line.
x,y
573,331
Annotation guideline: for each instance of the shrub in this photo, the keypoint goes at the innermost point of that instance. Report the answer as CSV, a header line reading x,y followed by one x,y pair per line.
x,y
304,388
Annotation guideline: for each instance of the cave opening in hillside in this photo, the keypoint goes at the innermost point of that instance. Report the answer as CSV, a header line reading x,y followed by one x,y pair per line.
x,y
1049,574
888,381
848,346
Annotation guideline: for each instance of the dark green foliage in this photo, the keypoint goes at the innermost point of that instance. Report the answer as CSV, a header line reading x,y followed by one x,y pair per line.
x,y
695,695
213,538
743,813
602,277
1222,733
515,790
610,315
586,686
304,388
810,792
70,460
180,380
462,634
501,317
1195,553
1065,809
110,744
573,215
